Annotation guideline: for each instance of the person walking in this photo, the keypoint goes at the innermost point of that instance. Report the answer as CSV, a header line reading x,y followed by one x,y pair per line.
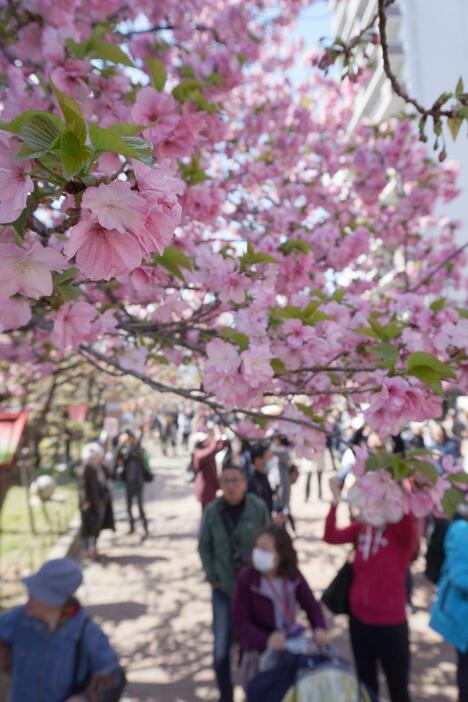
x,y
449,615
131,459
52,648
377,599
230,526
259,484
204,465
266,600
94,497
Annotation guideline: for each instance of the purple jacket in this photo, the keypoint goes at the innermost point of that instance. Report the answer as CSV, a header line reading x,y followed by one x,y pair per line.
x,y
254,615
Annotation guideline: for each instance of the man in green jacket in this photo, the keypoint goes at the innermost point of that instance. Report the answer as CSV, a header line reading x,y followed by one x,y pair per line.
x,y
230,527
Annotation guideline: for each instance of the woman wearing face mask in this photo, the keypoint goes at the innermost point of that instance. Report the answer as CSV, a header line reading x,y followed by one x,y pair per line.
x,y
384,546
266,600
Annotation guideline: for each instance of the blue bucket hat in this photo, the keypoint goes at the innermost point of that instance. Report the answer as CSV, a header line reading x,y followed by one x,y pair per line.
x,y
54,582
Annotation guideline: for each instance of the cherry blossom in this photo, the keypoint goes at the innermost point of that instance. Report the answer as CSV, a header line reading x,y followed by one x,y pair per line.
x,y
115,206
102,253
72,325
15,183
28,270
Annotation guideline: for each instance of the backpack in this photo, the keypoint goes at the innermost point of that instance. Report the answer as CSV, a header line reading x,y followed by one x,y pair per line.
x,y
435,554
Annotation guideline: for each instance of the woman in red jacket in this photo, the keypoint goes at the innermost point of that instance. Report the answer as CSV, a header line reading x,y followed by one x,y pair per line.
x,y
204,465
377,600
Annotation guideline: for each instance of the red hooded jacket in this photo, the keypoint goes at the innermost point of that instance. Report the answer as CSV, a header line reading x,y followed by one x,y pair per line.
x,y
381,561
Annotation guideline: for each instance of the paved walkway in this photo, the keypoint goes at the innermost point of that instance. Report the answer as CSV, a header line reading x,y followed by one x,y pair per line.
x,y
153,603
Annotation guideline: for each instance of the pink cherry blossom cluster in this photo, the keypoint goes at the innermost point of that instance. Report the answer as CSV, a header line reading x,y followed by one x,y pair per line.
x,y
222,216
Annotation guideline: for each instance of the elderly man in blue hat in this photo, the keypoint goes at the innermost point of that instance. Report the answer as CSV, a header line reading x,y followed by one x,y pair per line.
x,y
53,650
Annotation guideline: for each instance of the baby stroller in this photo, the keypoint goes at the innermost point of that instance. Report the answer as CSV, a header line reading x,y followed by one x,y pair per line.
x,y
314,677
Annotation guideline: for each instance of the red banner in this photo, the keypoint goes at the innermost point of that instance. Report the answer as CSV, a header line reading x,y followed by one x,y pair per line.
x,y
12,425
77,413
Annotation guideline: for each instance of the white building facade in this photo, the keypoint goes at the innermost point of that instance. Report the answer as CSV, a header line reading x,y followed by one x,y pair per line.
x,y
428,42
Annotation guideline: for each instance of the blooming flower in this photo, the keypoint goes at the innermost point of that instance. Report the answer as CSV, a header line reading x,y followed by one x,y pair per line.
x,y
158,226
102,254
378,498
222,357
162,179
157,109
28,270
72,325
14,313
133,360
398,403
15,184
256,366
116,206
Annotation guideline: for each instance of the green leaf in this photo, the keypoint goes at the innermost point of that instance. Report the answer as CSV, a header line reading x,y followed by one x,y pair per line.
x,y
429,377
203,103
187,71
238,338
66,276
295,246
388,353
107,51
400,468
78,49
366,331
129,146
123,129
278,366
71,112
421,358
460,89
19,226
438,304
39,134
17,123
260,421
454,124
425,468
192,173
458,477
172,260
69,292
186,87
73,154
157,71
450,501
178,256
309,412
159,358
463,312
252,257
380,461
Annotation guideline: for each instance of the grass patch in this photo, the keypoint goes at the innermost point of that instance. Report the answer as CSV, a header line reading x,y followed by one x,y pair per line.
x,y
20,550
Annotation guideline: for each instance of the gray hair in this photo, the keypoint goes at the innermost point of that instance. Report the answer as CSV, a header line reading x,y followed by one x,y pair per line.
x,y
91,452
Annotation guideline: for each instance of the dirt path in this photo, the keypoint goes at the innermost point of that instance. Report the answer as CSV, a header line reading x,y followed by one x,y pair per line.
x,y
153,603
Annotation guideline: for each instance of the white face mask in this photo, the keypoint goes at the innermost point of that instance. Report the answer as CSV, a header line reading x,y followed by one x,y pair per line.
x,y
263,561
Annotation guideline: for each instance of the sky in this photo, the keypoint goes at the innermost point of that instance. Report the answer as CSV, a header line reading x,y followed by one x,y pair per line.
x,y
315,22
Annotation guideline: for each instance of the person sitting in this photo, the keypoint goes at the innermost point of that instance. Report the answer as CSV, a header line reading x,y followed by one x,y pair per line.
x,y
266,599
54,651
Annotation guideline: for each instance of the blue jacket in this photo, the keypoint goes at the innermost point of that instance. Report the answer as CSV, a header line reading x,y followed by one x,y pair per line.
x,y
449,615
43,662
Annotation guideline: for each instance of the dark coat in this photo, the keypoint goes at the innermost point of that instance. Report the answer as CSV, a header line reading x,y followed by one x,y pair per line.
x,y
127,454
254,613
95,504
206,474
